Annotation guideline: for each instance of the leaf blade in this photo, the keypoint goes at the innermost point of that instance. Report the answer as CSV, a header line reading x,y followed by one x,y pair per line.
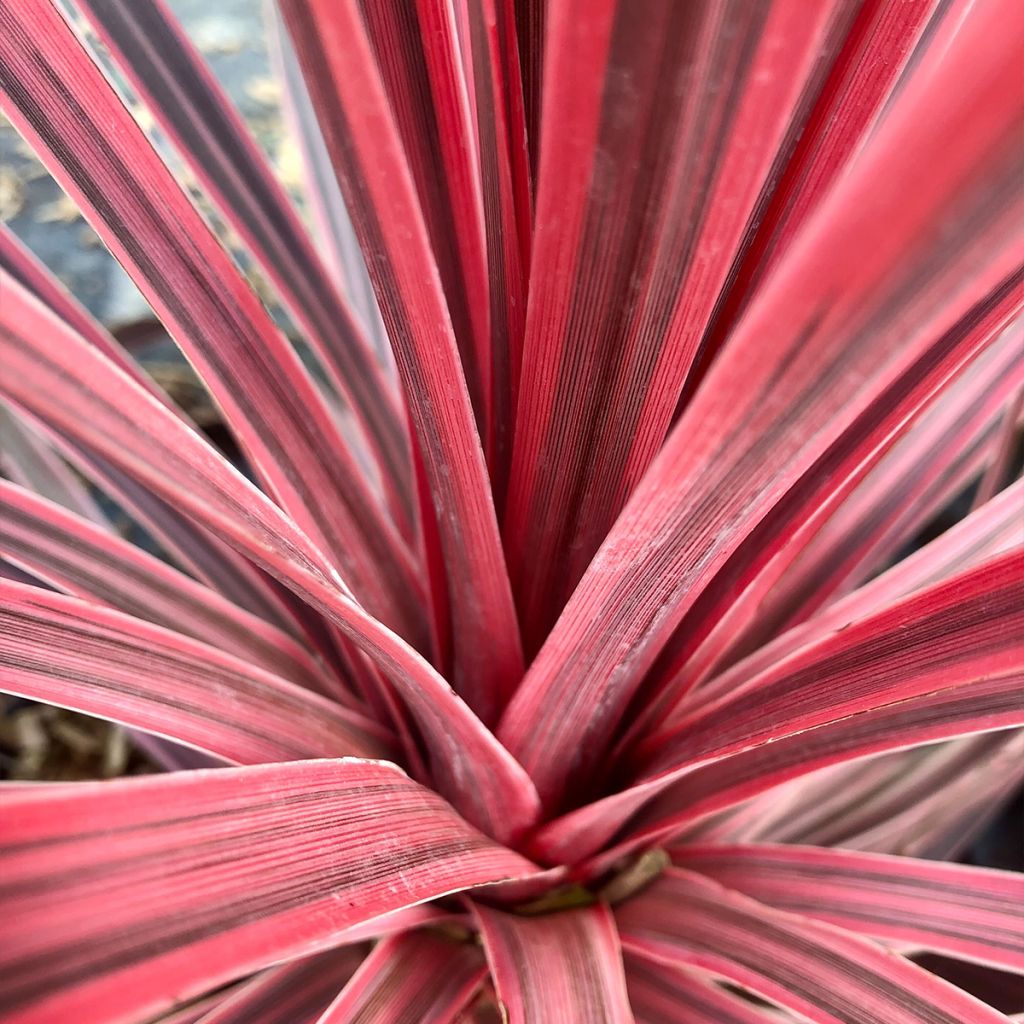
x,y
275,842
364,141
66,652
969,913
178,88
741,451
564,966
817,971
82,560
76,391
413,976
60,101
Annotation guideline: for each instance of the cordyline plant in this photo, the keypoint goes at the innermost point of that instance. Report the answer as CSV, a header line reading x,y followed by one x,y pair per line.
x,y
677,322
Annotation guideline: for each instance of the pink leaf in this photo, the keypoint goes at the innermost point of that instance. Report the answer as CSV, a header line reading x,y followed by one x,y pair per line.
x,y
817,971
809,384
33,463
991,530
678,114
81,559
287,430
965,912
417,976
295,993
66,652
133,895
353,101
663,994
875,511
967,628
989,704
921,474
331,225
941,663
59,378
18,261
178,88
565,966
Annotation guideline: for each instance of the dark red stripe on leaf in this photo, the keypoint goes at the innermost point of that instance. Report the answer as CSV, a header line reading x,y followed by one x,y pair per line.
x,y
83,560
826,340
964,629
663,994
295,993
996,703
367,149
506,220
416,53
63,381
530,30
73,654
859,83
911,473
191,108
136,894
678,111
819,972
415,978
59,99
565,965
966,912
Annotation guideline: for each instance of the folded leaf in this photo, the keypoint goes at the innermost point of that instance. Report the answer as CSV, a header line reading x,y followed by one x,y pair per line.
x,y
191,108
133,895
353,97
75,390
66,652
679,113
59,100
981,706
660,994
554,967
969,913
990,704
295,993
81,559
417,976
820,372
815,970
